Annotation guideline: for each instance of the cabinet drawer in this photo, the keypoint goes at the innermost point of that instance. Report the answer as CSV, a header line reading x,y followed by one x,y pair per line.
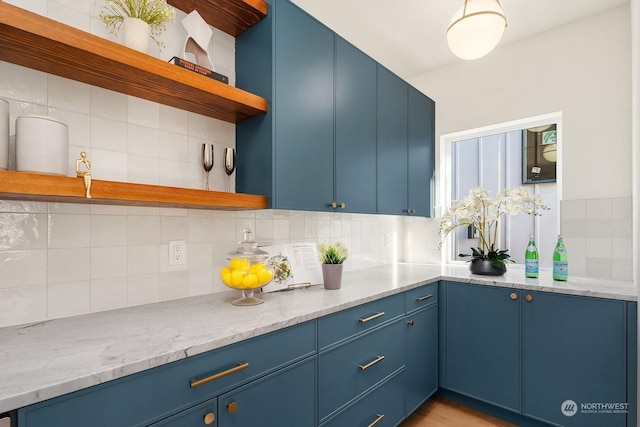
x,y
337,327
349,370
154,394
421,297
384,404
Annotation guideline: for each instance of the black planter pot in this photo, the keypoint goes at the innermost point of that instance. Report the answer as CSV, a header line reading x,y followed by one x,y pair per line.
x,y
485,268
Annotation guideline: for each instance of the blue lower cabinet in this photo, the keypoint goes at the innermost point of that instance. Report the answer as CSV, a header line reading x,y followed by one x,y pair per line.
x,y
381,407
347,371
574,360
559,359
482,344
285,399
421,356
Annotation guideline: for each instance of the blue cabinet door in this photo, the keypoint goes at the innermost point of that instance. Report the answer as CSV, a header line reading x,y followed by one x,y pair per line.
x,y
304,110
355,138
421,146
574,353
482,344
286,398
421,356
392,144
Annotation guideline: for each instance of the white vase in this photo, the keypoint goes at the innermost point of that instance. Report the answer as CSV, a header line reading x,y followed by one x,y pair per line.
x,y
137,34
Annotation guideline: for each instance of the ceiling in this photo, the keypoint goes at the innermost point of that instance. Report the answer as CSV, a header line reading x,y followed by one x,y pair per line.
x,y
409,36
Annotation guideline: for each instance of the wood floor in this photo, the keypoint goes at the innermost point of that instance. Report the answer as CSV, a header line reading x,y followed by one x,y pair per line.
x,y
438,412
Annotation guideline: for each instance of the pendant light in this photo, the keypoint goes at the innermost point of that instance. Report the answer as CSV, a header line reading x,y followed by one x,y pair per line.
x,y
476,28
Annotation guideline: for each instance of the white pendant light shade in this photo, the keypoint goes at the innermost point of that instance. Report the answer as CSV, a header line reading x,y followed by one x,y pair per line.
x,y
476,28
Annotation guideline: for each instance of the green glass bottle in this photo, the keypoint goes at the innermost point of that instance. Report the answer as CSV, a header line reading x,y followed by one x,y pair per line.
x,y
560,265
531,262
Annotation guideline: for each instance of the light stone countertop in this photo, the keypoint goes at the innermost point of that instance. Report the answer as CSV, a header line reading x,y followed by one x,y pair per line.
x,y
47,359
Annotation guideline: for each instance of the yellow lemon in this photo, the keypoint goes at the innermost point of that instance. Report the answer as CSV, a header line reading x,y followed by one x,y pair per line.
x,y
264,276
239,263
255,268
236,277
226,277
250,281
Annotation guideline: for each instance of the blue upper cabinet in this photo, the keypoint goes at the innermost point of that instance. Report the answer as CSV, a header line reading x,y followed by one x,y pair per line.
x,y
406,148
330,138
392,143
355,159
287,154
421,147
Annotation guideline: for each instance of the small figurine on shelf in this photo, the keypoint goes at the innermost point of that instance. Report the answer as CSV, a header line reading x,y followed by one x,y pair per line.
x,y
86,173
198,38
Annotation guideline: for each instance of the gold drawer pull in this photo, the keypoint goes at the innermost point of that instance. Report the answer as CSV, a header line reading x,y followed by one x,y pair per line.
x,y
529,298
197,383
424,298
375,316
370,364
232,407
378,419
209,418
514,296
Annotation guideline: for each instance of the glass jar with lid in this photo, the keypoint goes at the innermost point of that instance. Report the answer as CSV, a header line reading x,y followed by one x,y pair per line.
x,y
247,270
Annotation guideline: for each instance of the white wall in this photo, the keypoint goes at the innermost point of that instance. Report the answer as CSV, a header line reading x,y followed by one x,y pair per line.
x,y
581,69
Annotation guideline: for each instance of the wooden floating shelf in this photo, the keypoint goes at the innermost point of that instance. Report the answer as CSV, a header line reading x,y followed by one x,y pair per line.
x,y
55,188
40,43
231,16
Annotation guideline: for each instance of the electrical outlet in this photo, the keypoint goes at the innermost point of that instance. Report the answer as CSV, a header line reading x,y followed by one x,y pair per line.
x,y
177,252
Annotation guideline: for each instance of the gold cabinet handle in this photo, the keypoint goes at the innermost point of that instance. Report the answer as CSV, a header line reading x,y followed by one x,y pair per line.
x,y
343,205
514,296
375,316
232,407
209,418
410,322
197,383
379,418
529,298
424,298
333,205
370,364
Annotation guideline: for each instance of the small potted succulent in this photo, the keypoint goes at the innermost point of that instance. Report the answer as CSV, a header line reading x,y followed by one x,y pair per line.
x,y
332,258
142,19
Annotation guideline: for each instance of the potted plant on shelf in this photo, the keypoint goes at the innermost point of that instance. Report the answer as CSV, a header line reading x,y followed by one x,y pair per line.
x,y
142,20
332,258
481,212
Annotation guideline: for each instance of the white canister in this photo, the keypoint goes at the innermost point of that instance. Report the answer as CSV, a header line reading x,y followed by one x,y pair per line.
x,y
4,134
42,145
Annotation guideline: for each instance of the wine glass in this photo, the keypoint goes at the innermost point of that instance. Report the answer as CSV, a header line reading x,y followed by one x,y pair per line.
x,y
207,161
229,164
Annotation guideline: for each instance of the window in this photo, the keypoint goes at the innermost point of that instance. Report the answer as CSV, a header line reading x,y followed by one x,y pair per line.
x,y
496,158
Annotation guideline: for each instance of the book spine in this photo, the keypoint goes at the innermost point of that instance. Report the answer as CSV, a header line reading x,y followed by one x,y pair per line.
x,y
198,69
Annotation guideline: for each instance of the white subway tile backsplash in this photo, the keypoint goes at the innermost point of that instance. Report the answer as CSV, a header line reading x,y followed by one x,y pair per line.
x,y
110,105
143,260
69,265
173,120
143,229
24,84
22,268
109,165
69,231
71,16
23,305
23,231
108,230
174,285
108,294
143,113
143,289
68,299
66,94
109,262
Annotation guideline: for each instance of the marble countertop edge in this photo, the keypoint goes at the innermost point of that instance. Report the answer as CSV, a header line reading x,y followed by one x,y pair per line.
x,y
82,351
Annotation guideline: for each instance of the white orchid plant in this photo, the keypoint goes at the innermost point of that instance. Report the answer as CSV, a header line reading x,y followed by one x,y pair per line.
x,y
156,13
483,212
